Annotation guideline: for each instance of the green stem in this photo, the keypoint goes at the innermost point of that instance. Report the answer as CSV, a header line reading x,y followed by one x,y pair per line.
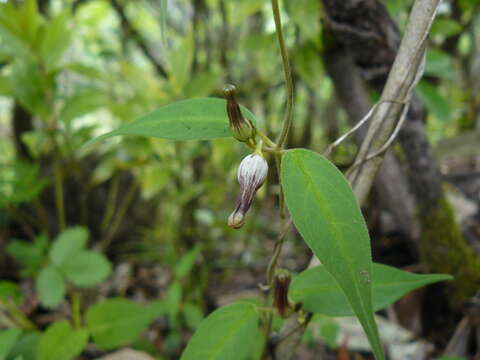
x,y
17,316
76,314
266,139
276,253
122,210
59,200
287,122
111,201
6,322
42,215
270,274
267,330
281,195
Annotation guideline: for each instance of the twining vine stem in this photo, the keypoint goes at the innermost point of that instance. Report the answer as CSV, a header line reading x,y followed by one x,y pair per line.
x,y
287,122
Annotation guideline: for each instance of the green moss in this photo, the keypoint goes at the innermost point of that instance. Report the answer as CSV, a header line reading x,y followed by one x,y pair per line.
x,y
444,250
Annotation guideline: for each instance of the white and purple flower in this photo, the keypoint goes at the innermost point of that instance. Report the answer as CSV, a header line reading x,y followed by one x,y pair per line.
x,y
252,173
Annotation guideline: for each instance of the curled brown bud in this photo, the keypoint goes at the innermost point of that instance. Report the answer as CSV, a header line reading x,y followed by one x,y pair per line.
x,y
252,173
242,129
281,283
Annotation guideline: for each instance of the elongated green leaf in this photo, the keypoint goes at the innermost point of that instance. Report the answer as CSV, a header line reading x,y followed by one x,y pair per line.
x,y
193,119
61,342
318,291
117,322
187,261
326,213
227,333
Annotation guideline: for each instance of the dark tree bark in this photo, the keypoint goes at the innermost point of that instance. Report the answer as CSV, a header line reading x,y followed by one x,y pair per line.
x,y
371,38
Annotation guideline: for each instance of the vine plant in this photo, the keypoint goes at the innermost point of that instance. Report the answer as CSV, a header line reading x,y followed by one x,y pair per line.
x,y
322,207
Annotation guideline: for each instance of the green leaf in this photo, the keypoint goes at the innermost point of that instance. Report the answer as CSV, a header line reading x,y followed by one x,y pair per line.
x,y
87,71
318,291
436,103
193,315
227,333
50,286
29,86
29,255
87,268
329,330
26,347
201,84
82,103
187,261
56,39
67,244
61,342
10,291
304,14
11,31
20,182
5,86
193,119
173,299
180,64
8,338
118,322
439,64
326,213
29,20
445,27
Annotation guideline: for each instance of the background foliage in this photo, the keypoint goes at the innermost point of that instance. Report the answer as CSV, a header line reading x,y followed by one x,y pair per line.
x,y
124,243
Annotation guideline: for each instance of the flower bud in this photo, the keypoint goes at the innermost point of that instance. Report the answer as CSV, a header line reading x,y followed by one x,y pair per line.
x,y
242,129
281,283
252,173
